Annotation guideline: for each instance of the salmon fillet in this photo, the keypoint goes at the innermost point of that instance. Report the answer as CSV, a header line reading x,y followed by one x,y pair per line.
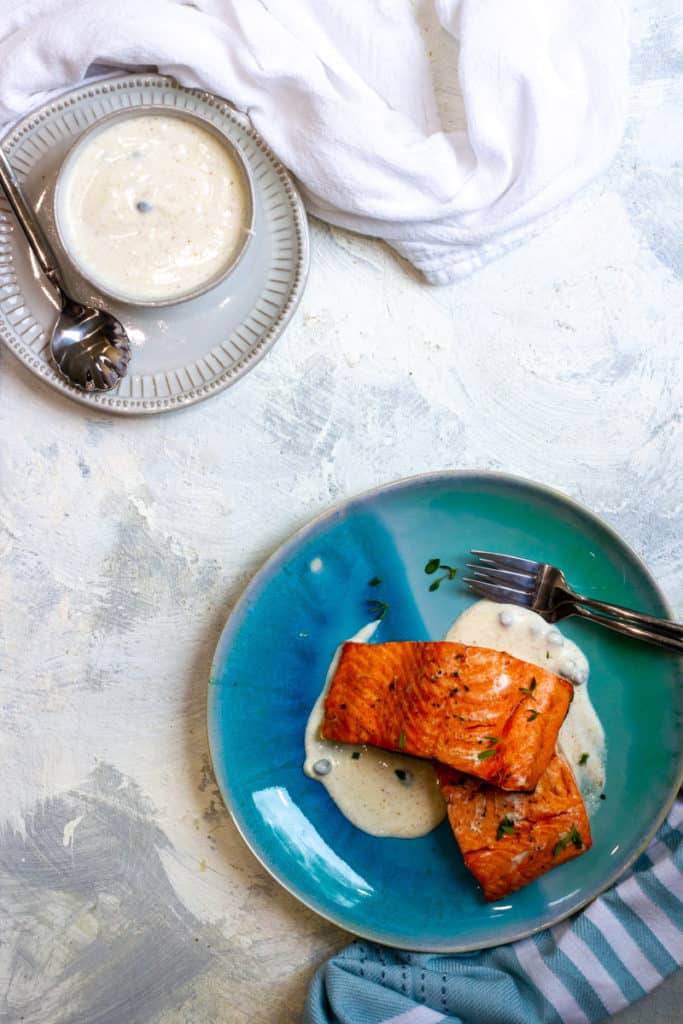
x,y
509,839
480,711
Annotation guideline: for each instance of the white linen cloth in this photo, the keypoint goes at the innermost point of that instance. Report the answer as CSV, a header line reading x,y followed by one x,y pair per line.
x,y
344,92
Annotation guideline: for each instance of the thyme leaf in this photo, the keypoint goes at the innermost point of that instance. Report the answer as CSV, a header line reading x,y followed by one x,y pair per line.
x,y
573,836
484,754
378,609
434,564
505,828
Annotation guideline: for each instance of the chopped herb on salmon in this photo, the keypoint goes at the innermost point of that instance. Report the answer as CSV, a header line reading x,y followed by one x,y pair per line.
x,y
573,836
506,828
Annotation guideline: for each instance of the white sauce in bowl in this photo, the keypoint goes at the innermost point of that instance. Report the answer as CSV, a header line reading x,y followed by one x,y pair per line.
x,y
152,207
525,635
380,792
391,794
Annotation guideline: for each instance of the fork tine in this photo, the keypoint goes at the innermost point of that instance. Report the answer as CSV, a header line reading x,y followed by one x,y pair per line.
x,y
490,574
507,561
505,595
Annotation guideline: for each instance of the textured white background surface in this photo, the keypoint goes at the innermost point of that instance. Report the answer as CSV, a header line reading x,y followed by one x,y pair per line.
x,y
125,893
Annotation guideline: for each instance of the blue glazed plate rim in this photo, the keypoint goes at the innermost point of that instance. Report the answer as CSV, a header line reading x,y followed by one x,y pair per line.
x,y
277,558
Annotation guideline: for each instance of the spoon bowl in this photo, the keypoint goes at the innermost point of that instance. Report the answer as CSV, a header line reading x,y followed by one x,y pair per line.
x,y
90,347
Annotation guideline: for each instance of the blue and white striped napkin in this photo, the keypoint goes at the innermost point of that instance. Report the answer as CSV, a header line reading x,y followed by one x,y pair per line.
x,y
579,972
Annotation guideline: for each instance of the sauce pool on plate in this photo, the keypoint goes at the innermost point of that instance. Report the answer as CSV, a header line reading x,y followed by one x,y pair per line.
x,y
152,207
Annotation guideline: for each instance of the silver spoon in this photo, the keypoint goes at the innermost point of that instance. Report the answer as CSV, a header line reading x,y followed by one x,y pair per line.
x,y
89,346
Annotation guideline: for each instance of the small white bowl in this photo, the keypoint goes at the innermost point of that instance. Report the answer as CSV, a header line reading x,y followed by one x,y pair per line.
x,y
60,212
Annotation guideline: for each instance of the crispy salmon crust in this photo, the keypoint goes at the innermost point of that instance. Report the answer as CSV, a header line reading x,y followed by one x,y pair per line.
x,y
509,839
477,710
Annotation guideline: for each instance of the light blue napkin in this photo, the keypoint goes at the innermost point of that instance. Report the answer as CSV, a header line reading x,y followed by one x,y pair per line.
x,y
579,972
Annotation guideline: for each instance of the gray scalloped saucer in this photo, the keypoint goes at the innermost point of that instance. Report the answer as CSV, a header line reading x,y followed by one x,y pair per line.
x,y
181,353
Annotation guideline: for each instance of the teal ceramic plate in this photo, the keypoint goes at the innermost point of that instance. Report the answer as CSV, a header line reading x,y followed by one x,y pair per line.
x,y
312,594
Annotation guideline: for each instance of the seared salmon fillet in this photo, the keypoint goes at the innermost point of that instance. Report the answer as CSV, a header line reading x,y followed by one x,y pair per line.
x,y
480,711
509,839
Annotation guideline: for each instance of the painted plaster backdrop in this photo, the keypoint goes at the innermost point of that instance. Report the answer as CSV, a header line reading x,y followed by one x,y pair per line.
x,y
125,893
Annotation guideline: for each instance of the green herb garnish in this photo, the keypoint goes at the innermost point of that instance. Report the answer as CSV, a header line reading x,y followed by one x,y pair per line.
x,y
375,581
547,654
583,759
378,609
530,688
355,755
449,573
492,740
402,741
483,754
573,836
506,828
533,715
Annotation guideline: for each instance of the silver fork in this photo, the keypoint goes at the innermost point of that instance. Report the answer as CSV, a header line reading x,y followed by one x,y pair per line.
x,y
545,590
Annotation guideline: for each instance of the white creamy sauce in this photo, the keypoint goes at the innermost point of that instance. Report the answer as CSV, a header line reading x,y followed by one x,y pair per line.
x,y
380,792
153,207
525,635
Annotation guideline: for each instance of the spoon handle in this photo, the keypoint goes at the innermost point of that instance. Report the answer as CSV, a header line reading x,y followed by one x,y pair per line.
x,y
28,222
